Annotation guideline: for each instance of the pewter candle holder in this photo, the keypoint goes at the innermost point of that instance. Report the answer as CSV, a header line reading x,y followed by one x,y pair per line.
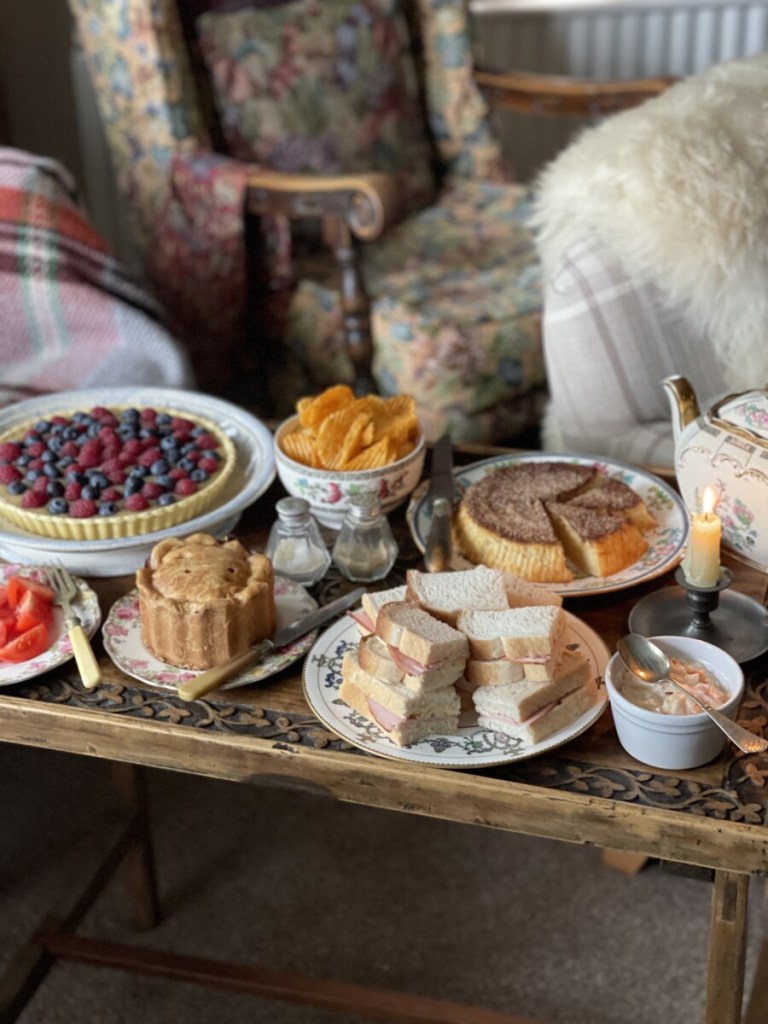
x,y
732,621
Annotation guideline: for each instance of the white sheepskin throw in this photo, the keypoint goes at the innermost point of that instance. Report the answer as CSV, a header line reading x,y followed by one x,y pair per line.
x,y
678,187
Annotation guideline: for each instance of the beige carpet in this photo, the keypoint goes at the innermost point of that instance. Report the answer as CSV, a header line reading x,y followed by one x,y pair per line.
x,y
290,880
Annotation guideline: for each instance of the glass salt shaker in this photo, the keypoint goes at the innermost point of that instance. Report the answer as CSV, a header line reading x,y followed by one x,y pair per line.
x,y
365,549
295,546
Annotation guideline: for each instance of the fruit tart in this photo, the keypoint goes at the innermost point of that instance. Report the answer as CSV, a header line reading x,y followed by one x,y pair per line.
x,y
109,473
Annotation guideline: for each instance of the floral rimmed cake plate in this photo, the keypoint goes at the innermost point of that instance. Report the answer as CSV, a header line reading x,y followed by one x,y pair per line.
x,y
666,542
125,646
86,607
471,746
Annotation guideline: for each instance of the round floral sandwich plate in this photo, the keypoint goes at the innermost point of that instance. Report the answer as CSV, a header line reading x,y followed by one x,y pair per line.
x,y
471,747
253,473
123,641
666,543
85,606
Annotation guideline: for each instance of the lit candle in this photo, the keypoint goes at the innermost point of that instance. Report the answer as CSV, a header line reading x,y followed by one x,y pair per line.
x,y
701,564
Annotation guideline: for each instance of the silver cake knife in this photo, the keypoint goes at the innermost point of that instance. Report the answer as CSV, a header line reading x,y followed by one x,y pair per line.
x,y
439,547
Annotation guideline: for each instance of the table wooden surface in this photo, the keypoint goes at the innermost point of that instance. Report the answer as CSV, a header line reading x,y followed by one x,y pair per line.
x,y
588,791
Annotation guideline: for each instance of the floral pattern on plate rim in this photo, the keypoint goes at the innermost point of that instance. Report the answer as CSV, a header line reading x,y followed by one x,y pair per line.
x,y
471,747
124,645
666,542
86,605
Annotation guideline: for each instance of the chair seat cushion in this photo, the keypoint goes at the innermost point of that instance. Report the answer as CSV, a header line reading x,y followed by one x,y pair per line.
x,y
456,297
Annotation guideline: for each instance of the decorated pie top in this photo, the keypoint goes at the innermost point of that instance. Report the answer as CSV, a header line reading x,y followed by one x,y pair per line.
x,y
106,473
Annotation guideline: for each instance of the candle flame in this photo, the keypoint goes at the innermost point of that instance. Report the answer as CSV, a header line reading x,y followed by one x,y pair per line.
x,y
708,500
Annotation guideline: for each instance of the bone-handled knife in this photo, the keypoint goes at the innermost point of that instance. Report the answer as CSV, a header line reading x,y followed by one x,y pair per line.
x,y
212,678
439,547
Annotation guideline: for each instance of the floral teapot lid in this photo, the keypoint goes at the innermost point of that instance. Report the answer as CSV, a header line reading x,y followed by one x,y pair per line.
x,y
746,413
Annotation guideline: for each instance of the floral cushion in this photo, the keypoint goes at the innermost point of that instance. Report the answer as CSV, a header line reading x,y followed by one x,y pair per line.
x,y
459,117
319,86
456,294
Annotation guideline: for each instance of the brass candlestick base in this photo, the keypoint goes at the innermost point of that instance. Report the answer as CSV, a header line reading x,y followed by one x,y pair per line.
x,y
732,621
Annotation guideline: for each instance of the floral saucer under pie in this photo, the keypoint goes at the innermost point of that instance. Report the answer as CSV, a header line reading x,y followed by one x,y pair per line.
x,y
125,646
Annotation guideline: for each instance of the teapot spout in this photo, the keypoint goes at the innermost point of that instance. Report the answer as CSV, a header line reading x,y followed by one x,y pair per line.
x,y
682,401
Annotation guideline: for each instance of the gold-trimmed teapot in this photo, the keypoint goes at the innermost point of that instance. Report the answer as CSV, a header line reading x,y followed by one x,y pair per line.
x,y
725,448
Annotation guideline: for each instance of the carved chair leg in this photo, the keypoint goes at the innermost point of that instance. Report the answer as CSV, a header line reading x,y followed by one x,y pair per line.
x,y
355,309
261,334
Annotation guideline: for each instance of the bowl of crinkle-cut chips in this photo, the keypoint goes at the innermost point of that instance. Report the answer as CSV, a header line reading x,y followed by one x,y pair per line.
x,y
338,445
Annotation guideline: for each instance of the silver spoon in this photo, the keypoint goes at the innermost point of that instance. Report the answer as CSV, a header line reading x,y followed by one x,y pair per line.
x,y
649,663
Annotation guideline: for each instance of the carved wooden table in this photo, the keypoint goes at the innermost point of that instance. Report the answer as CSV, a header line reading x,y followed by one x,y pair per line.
x,y
588,791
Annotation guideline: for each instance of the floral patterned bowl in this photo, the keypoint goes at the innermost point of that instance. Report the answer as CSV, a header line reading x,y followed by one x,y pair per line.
x,y
328,491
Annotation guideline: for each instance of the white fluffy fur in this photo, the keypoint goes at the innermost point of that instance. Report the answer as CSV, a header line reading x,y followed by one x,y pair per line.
x,y
679,188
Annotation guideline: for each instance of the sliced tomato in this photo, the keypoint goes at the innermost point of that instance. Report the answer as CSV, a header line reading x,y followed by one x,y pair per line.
x,y
18,586
32,610
3,633
27,645
3,595
7,615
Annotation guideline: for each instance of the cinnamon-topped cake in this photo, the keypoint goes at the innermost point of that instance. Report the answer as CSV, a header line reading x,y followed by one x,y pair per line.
x,y
530,517
202,601
104,474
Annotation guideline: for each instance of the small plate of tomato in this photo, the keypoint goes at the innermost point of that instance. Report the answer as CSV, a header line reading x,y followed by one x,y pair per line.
x,y
33,638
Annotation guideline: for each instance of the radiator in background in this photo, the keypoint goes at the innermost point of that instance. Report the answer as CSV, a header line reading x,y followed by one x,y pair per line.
x,y
605,40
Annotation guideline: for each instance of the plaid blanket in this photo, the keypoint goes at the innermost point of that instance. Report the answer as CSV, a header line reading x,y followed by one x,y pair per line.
x,y
70,314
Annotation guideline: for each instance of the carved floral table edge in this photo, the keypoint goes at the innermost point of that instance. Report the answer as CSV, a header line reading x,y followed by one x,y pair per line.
x,y
741,797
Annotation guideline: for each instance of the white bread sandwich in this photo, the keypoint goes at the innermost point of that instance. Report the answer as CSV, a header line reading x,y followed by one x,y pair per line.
x,y
492,672
375,657
522,593
445,594
533,710
365,617
419,643
527,635
403,714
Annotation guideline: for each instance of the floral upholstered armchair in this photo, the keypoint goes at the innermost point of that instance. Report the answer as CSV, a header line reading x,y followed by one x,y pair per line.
x,y
318,196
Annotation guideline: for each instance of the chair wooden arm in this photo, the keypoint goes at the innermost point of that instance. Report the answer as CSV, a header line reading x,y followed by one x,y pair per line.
x,y
365,203
354,208
529,93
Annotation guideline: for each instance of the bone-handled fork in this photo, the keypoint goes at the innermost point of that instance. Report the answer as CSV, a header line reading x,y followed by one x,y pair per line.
x,y
66,591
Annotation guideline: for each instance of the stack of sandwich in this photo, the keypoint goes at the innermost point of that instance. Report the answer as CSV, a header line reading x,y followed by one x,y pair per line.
x,y
402,675
479,639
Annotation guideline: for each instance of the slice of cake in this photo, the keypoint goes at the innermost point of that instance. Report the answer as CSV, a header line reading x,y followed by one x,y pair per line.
x,y
617,498
597,542
202,601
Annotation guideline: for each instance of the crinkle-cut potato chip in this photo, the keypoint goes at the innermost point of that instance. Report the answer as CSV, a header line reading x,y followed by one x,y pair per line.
x,y
342,435
300,446
397,420
314,410
376,455
341,432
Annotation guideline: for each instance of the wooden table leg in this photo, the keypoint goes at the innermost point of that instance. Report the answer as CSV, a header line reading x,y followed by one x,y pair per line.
x,y
727,948
138,867
758,997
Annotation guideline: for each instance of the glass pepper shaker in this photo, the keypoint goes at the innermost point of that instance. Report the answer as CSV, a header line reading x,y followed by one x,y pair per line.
x,y
295,545
365,549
